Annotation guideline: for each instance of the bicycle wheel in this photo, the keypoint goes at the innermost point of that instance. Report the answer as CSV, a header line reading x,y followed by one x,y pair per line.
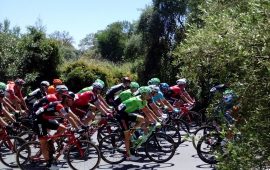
x,y
173,132
83,155
112,149
208,148
103,131
160,147
199,133
28,136
29,156
8,149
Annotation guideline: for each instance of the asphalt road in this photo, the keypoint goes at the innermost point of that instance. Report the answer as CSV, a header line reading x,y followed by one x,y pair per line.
x,y
185,158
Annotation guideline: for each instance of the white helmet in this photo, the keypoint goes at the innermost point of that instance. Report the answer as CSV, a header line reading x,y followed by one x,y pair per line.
x,y
181,81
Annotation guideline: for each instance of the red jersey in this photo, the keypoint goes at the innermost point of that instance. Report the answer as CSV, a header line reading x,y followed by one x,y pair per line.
x,y
82,99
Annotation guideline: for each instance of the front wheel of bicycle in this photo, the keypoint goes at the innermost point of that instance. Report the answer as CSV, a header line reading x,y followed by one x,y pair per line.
x,y
160,147
83,155
9,147
29,156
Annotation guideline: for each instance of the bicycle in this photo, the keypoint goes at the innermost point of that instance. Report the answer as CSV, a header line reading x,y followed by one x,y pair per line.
x,y
156,145
76,151
8,147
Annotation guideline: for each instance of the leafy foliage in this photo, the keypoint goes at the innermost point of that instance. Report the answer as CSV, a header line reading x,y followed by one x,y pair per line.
x,y
233,47
82,73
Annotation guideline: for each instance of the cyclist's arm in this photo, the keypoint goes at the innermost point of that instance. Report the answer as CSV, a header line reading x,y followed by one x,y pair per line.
x,y
101,99
149,114
7,103
8,115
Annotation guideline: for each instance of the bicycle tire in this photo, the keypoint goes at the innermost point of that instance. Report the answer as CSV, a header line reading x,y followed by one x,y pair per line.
x,y
213,142
155,144
16,142
29,156
173,132
202,130
112,146
73,154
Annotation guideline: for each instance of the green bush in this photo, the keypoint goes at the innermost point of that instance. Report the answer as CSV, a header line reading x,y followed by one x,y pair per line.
x,y
82,73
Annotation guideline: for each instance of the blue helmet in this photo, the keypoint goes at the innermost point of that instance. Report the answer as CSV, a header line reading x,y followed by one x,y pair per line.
x,y
164,86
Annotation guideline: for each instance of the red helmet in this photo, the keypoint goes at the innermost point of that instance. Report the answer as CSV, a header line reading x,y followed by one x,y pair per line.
x,y
57,81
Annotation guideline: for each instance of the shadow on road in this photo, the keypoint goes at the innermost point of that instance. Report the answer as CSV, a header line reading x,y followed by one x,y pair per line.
x,y
136,167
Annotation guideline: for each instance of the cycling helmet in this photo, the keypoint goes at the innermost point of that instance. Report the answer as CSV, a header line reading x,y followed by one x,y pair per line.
x,y
19,82
145,90
69,94
45,83
164,86
126,79
154,88
61,89
2,93
3,86
100,81
181,81
57,81
97,85
134,85
154,81
228,99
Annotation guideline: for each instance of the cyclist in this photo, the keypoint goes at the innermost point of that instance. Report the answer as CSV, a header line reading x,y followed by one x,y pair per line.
x,y
83,100
37,94
128,112
114,90
90,88
60,89
3,111
46,120
159,100
177,94
124,95
56,82
229,102
14,95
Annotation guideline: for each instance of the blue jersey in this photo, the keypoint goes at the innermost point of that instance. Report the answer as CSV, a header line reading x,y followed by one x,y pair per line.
x,y
157,97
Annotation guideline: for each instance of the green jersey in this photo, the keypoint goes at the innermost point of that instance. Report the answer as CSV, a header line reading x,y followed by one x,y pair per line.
x,y
134,103
124,95
86,89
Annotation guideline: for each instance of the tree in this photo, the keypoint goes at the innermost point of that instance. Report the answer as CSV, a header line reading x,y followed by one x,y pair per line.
x,y
87,42
233,47
162,28
111,41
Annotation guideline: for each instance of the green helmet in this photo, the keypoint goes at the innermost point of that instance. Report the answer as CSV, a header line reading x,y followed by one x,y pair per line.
x,y
154,81
3,86
145,90
134,85
100,81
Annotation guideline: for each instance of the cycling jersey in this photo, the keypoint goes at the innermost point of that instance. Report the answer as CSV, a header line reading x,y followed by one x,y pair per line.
x,y
46,117
133,104
158,96
32,97
44,101
86,89
83,99
124,95
13,90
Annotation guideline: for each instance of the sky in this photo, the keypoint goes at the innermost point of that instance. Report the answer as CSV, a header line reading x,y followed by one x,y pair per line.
x,y
78,17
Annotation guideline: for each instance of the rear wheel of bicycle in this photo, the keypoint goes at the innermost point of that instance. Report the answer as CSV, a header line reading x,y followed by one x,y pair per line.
x,y
8,148
112,149
85,155
160,147
173,132
29,156
208,147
